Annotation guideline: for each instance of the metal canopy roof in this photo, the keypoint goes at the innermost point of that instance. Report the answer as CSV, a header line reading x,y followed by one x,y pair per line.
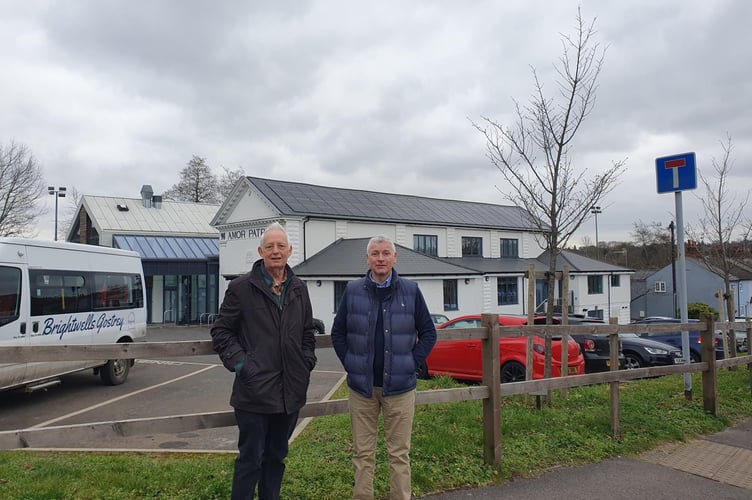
x,y
168,247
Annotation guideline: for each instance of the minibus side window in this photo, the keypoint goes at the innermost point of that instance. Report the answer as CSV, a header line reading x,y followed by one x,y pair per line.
x,y
58,292
10,294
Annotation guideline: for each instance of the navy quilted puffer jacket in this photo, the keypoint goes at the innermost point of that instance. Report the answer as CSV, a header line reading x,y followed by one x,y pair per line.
x,y
409,334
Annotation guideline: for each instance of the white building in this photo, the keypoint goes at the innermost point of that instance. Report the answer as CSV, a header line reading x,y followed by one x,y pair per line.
x,y
466,257
178,249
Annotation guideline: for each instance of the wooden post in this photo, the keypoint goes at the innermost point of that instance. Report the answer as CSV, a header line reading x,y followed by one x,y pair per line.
x,y
530,321
749,351
613,342
709,376
724,325
492,380
564,321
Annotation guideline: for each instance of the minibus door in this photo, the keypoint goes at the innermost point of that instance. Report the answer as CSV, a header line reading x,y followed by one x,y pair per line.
x,y
14,322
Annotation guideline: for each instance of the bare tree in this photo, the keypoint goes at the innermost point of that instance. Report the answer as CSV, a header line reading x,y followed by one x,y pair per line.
x,y
653,244
534,153
723,220
73,197
227,180
21,186
197,183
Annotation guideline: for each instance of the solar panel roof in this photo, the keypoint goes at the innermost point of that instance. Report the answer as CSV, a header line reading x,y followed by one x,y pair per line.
x,y
294,198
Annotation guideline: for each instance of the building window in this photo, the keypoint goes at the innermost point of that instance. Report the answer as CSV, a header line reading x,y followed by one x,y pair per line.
x,y
594,284
450,295
660,287
339,290
510,247
615,280
426,243
506,291
472,246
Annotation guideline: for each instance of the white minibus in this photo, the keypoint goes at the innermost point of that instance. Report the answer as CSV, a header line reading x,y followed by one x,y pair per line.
x,y
54,293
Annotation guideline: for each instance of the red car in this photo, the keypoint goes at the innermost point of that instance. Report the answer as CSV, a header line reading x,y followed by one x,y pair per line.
x,y
461,359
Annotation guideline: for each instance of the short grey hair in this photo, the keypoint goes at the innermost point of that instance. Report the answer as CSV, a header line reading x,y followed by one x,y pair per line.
x,y
277,227
380,239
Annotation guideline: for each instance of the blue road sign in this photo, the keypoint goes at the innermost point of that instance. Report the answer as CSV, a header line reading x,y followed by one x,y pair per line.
x,y
676,173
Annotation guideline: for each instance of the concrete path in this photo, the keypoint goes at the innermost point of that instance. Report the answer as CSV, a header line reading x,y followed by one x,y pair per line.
x,y
717,466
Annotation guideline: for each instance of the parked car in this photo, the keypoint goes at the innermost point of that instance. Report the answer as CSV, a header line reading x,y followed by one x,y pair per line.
x,y
642,352
634,351
461,359
741,337
675,338
319,326
439,318
596,348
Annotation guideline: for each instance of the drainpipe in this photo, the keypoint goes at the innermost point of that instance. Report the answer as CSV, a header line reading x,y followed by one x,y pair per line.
x,y
303,243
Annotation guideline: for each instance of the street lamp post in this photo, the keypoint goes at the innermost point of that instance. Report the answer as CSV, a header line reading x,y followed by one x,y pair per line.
x,y
57,192
596,210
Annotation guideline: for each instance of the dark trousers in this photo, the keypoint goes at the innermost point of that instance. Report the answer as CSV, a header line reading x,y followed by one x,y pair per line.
x,y
262,447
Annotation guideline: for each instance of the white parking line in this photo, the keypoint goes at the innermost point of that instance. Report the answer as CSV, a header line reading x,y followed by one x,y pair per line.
x,y
119,398
173,363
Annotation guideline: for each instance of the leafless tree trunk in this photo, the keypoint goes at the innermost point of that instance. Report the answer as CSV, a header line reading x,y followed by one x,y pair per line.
x,y
73,196
21,186
534,153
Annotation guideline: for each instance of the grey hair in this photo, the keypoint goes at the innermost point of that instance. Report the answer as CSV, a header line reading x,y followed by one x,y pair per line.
x,y
380,239
277,227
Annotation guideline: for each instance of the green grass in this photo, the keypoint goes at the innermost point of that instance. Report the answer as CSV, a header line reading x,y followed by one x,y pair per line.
x,y
446,454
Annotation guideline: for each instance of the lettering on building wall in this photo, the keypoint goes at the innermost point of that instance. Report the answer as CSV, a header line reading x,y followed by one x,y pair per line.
x,y
241,234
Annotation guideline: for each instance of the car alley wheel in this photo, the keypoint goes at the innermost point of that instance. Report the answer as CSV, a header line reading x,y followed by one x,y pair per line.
x,y
512,371
632,361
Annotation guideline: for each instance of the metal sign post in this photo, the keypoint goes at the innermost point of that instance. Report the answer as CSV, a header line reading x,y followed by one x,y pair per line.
x,y
675,174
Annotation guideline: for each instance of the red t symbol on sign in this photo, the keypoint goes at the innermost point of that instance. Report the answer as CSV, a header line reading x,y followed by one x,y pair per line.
x,y
674,166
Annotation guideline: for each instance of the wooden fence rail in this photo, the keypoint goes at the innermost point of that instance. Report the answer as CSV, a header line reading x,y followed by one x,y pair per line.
x,y
490,392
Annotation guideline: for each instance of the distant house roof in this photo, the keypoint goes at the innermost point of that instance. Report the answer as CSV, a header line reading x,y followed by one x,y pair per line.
x,y
488,265
168,247
308,200
347,258
129,215
580,263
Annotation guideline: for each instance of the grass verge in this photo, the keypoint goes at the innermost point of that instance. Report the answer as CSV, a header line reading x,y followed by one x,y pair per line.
x,y
446,452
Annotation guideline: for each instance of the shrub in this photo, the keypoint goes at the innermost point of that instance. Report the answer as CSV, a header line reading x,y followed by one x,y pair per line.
x,y
695,310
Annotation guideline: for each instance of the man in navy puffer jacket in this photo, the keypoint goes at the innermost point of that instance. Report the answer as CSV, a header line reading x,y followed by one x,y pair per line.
x,y
382,332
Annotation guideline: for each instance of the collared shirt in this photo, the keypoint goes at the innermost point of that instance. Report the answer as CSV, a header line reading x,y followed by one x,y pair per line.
x,y
277,290
386,284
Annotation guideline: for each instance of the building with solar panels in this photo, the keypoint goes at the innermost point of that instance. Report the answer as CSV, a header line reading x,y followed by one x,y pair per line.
x,y
179,249
467,257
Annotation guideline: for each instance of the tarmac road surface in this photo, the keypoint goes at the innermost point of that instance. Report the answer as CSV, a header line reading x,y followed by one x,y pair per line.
x,y
155,387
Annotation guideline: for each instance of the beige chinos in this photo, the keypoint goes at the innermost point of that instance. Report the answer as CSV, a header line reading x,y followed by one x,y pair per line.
x,y
398,425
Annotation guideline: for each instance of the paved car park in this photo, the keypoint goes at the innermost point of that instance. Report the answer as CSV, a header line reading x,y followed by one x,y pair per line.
x,y
155,387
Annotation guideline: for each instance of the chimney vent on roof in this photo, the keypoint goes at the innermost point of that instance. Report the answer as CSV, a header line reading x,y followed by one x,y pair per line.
x,y
146,194
122,207
156,201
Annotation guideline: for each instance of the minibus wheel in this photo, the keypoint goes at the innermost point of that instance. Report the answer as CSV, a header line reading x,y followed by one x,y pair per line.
x,y
115,371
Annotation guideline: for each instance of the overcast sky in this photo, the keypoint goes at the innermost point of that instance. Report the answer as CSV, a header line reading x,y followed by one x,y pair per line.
x,y
111,95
